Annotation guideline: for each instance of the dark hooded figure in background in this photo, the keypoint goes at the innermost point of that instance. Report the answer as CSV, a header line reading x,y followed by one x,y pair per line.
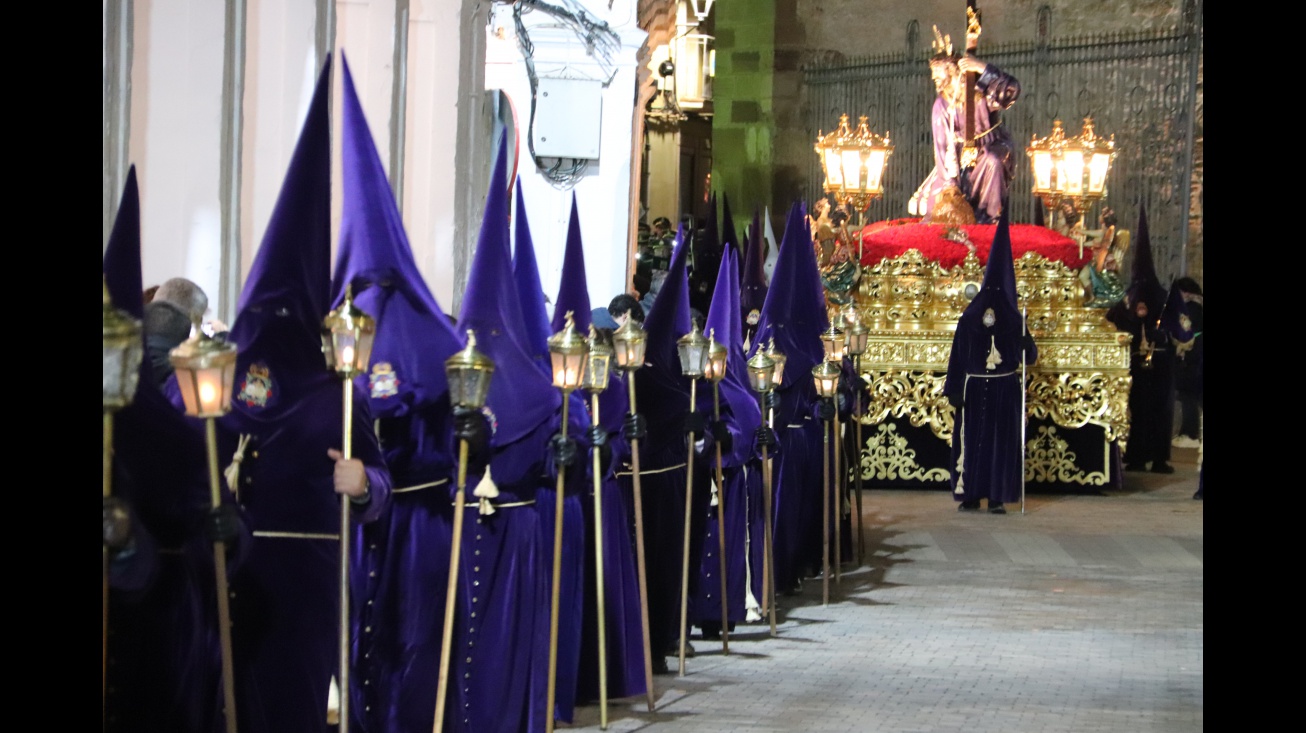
x,y
985,385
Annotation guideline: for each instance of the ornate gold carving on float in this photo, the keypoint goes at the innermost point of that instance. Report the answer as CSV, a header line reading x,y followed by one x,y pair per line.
x,y
887,456
1048,459
911,305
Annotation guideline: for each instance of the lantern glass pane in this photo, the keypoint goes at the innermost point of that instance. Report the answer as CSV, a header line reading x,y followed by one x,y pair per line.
x,y
1059,175
122,363
596,371
208,389
329,350
778,378
186,384
833,173
1074,162
345,350
1097,172
852,168
692,359
875,170
364,355
1042,170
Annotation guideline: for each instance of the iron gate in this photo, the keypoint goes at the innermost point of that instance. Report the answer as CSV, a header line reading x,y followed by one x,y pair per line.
x,y
1138,86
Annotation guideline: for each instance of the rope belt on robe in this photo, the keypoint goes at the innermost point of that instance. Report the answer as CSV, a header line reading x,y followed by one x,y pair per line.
x,y
652,471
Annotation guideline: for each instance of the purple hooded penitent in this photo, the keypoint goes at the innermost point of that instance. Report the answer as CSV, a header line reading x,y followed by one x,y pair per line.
x,y
288,407
794,315
741,494
397,631
163,656
663,399
985,382
503,649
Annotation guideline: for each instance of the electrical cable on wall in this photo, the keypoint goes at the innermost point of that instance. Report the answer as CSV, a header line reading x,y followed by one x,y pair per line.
x,y
601,43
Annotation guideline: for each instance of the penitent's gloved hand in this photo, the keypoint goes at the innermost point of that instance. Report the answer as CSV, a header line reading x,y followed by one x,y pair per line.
x,y
695,423
825,409
635,427
721,434
222,524
563,450
598,438
117,534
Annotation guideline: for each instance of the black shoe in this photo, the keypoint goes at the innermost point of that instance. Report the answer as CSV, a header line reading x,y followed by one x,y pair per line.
x,y
995,507
712,634
1135,467
1162,467
968,506
1198,495
660,666
675,650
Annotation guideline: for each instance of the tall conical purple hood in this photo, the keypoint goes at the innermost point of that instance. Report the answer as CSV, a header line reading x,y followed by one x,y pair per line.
x,y
998,292
521,396
794,313
753,292
530,292
122,257
413,336
723,320
666,322
1000,272
288,292
122,263
1144,285
573,290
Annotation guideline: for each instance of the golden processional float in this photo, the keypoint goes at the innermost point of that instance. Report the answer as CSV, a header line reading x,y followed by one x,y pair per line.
x,y
907,283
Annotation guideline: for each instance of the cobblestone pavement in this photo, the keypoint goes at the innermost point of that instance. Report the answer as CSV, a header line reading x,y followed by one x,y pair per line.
x,y
1084,614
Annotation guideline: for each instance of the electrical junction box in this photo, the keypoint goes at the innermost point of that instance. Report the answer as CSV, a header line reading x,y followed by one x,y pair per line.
x,y
568,118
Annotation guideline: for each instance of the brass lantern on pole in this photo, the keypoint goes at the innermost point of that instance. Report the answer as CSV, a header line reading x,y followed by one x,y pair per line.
x,y
762,377
715,371
347,335
832,340
206,370
628,343
826,377
468,375
1071,170
692,349
568,354
123,351
857,337
595,381
853,163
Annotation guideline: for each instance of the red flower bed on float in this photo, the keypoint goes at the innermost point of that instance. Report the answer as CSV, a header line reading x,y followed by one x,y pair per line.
x,y
893,237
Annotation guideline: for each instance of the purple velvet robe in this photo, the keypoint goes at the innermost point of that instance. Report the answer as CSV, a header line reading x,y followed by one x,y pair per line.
x,y
285,610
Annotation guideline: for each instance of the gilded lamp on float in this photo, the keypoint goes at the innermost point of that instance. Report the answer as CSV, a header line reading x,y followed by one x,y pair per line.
x,y
1071,170
853,163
